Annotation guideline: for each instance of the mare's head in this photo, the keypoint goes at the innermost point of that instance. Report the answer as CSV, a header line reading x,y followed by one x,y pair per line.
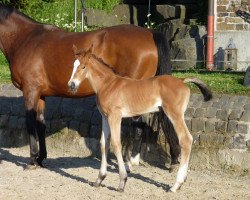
x,y
80,70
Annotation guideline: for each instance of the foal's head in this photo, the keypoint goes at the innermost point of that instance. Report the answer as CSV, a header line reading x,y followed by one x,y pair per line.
x,y
80,71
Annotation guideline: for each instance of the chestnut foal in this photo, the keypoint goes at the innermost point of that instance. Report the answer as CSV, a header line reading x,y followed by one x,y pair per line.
x,y
119,97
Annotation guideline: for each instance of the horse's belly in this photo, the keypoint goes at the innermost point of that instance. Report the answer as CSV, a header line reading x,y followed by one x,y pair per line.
x,y
139,110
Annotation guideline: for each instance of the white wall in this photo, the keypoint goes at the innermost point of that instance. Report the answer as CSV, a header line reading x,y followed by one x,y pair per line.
x,y
242,42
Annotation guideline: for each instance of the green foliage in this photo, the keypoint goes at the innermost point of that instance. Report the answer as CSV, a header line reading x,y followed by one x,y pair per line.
x,y
4,70
106,5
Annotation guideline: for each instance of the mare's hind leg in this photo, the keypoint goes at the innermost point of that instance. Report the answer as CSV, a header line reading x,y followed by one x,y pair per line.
x,y
104,151
185,141
31,99
41,130
115,127
138,126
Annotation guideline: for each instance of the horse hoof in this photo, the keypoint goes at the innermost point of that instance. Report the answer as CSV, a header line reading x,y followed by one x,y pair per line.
x,y
172,190
128,167
32,167
96,184
120,189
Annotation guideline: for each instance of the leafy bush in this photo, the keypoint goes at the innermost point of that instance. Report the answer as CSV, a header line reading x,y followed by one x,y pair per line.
x,y
59,12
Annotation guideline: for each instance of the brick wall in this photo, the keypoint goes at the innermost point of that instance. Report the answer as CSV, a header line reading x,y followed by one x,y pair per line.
x,y
226,18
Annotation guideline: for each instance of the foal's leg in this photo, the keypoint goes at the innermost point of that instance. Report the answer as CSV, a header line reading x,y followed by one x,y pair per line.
x,y
41,129
185,141
115,127
104,150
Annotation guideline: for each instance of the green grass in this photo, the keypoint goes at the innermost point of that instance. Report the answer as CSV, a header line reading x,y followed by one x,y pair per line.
x,y
4,70
219,82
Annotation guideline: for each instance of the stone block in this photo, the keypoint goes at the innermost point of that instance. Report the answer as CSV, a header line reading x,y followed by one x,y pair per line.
x,y
196,139
238,142
57,125
243,100
235,114
245,116
188,123
5,107
212,140
221,126
222,14
178,51
207,104
232,126
223,2
224,26
198,124
199,112
189,112
95,132
243,128
210,126
248,144
247,106
211,112
221,8
84,129
21,123
74,127
222,114
217,105
96,118
4,121
13,120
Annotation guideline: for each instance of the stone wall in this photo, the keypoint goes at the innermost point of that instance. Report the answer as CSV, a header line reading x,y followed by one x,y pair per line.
x,y
221,127
227,19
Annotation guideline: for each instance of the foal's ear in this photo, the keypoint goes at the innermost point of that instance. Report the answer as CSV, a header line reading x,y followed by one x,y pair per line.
x,y
90,50
74,48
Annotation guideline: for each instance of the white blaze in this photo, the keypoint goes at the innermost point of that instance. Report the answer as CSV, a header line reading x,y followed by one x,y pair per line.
x,y
76,65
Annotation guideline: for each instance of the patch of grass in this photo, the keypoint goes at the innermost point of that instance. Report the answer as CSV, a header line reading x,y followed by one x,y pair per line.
x,y
4,70
219,82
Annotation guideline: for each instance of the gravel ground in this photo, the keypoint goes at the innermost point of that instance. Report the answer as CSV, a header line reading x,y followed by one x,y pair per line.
x,y
70,177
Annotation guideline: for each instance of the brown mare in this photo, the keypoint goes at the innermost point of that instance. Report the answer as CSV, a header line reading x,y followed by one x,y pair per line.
x,y
119,97
40,61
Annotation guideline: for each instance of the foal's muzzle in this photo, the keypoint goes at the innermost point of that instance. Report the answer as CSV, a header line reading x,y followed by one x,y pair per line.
x,y
72,87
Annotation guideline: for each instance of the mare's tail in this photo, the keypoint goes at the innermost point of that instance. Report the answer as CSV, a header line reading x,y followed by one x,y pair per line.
x,y
207,94
162,121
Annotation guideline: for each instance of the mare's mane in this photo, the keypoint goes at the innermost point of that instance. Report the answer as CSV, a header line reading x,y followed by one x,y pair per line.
x,y
6,11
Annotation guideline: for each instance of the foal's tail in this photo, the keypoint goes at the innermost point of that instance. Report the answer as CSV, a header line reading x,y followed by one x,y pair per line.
x,y
207,94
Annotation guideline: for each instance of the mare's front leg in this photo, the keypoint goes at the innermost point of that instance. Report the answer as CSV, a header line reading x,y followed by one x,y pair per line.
x,y
115,126
105,137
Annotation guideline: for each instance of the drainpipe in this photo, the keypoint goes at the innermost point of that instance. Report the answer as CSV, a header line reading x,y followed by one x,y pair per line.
x,y
210,36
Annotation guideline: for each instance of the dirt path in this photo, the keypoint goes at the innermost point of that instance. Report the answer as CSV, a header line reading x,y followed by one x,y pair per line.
x,y
69,177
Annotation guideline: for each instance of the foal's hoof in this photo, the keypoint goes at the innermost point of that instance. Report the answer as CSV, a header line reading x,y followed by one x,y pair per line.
x,y
96,184
128,167
120,189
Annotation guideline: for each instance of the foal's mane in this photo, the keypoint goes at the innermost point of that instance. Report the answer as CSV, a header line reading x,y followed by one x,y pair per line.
x,y
6,11
100,60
